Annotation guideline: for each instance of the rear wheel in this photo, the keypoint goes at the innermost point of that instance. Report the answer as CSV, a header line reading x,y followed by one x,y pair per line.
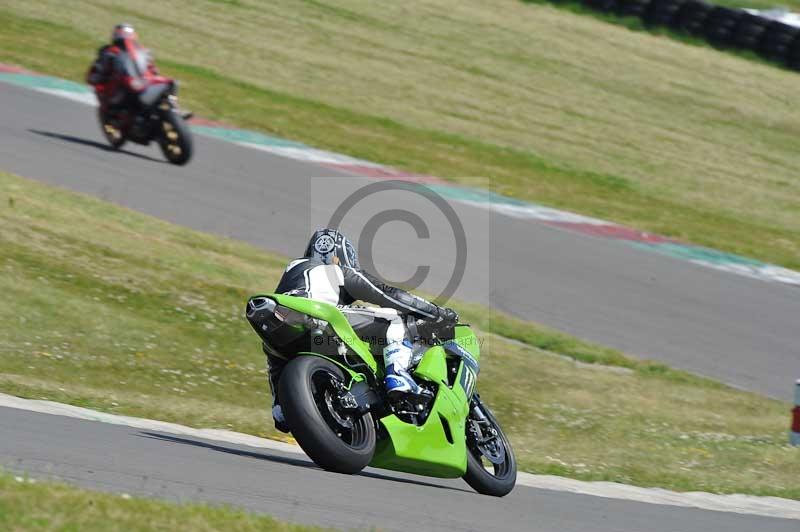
x,y
175,139
491,465
336,439
111,130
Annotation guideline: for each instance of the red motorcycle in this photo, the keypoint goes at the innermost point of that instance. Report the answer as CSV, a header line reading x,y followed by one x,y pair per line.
x,y
141,106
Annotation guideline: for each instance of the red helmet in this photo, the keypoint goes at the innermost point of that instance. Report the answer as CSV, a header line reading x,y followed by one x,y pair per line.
x,y
123,32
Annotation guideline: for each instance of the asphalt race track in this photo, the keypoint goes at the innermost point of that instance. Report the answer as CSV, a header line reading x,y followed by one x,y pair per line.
x,y
738,330
138,462
735,329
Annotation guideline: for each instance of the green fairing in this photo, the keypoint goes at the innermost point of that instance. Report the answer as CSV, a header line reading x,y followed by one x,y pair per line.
x,y
327,312
432,367
467,339
354,375
438,447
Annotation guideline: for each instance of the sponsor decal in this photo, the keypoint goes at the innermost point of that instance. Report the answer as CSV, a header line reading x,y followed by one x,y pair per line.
x,y
453,347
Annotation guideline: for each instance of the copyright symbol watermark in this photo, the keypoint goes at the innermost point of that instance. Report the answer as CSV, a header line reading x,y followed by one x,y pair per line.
x,y
377,217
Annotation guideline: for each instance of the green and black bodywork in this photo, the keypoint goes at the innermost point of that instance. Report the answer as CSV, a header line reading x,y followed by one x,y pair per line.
x,y
331,392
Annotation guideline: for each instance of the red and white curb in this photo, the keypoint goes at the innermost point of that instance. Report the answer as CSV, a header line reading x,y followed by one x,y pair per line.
x,y
741,504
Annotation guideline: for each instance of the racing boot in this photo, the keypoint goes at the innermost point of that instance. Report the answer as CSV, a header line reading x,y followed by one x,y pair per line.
x,y
279,419
274,369
398,382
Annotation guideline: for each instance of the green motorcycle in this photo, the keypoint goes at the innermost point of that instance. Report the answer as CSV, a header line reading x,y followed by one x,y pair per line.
x,y
332,395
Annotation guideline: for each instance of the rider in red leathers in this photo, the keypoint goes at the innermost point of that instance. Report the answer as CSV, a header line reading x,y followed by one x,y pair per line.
x,y
122,71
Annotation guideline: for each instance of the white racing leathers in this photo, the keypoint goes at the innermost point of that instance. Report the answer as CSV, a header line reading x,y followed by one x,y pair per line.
x,y
342,286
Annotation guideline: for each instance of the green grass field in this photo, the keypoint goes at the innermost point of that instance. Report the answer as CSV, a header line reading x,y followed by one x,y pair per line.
x,y
527,100
110,309
35,506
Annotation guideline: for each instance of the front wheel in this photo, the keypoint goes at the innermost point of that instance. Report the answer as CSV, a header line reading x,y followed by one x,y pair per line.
x,y
336,439
175,139
491,465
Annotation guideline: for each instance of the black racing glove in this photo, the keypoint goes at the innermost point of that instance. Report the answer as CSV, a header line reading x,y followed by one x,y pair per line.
x,y
442,326
447,317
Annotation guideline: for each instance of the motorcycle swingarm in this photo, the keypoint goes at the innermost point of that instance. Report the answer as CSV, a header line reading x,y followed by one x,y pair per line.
x,y
362,398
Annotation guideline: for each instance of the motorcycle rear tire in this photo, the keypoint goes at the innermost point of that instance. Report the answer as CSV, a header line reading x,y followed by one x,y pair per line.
x,y
177,150
115,141
296,392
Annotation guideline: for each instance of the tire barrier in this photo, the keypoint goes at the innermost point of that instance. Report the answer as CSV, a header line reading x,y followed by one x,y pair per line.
x,y
692,16
748,32
722,27
774,44
604,6
793,54
661,12
720,24
631,8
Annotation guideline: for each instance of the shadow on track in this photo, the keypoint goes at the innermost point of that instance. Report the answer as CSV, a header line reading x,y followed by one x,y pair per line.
x,y
93,143
286,460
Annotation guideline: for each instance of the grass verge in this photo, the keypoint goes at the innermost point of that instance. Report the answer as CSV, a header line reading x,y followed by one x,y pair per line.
x,y
110,309
526,100
44,506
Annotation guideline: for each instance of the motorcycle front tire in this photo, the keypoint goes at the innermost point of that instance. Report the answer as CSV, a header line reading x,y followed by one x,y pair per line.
x,y
175,139
502,480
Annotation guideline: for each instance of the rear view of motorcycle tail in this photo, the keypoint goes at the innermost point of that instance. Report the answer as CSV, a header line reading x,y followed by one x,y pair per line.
x,y
331,391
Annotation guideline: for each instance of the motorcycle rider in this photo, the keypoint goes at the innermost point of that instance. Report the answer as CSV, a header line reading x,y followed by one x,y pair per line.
x,y
329,271
120,73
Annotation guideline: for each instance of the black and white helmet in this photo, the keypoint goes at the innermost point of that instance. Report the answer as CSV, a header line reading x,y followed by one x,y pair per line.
x,y
326,244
